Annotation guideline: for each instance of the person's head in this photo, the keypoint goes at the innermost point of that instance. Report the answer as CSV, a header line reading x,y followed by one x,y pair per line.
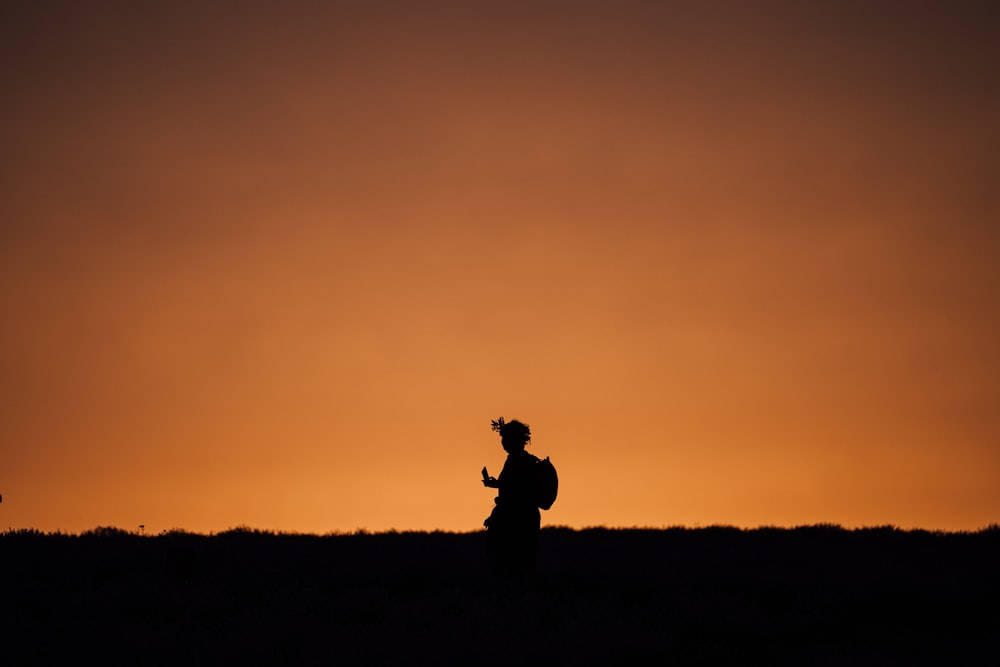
x,y
514,435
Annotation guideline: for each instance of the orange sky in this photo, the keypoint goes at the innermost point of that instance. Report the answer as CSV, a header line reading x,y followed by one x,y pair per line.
x,y
734,262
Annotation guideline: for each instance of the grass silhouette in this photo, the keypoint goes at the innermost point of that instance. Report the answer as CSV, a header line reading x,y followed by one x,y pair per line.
x,y
808,595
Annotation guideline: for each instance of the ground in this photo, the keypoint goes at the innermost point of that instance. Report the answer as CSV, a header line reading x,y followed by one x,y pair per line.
x,y
813,595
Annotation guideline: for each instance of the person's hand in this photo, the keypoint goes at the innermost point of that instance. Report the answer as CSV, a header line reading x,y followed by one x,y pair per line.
x,y
490,482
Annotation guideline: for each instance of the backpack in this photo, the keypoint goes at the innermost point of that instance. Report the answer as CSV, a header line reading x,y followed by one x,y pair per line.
x,y
546,483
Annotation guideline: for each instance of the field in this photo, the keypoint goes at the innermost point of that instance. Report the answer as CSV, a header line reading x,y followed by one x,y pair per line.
x,y
817,595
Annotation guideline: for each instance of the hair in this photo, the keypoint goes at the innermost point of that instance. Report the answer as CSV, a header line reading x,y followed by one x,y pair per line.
x,y
513,428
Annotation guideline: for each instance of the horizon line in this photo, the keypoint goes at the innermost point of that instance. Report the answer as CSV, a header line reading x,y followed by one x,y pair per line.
x,y
115,531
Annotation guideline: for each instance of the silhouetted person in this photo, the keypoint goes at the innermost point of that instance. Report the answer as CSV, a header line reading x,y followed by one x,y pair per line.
x,y
512,528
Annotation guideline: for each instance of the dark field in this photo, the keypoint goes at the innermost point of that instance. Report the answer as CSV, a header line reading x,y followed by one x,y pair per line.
x,y
813,595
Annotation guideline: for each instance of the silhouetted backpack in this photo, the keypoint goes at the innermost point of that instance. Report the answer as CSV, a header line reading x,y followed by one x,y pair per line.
x,y
546,483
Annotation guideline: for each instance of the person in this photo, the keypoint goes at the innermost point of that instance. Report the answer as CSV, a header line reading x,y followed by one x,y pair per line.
x,y
513,526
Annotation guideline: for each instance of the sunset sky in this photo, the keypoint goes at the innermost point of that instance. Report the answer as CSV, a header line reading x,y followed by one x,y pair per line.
x,y
278,264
